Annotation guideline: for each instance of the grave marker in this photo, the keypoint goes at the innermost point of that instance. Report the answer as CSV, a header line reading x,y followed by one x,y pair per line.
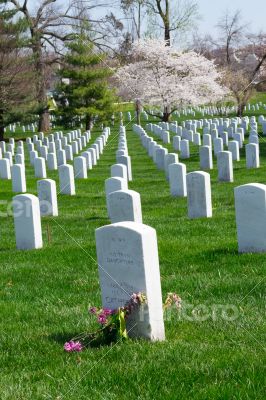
x,y
128,263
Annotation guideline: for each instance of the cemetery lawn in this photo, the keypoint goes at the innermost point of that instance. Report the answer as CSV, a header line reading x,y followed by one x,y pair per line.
x,y
45,295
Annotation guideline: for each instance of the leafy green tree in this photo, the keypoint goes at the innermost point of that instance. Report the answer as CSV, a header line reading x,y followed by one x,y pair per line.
x,y
17,97
49,24
85,92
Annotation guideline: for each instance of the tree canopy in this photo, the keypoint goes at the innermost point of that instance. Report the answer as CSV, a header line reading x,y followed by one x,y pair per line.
x,y
162,76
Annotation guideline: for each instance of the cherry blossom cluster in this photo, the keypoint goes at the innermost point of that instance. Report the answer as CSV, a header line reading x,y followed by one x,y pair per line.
x,y
162,76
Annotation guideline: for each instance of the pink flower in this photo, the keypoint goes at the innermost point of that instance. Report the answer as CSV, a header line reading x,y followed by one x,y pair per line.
x,y
135,298
107,311
102,319
177,300
93,310
72,346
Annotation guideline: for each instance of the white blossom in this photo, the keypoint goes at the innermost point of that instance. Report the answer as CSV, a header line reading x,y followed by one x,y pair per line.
x,y
162,76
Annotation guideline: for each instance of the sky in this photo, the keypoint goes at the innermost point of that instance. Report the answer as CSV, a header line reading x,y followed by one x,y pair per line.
x,y
252,11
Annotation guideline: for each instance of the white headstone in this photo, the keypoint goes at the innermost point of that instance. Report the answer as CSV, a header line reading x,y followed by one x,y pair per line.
x,y
207,140
124,205
95,146
177,179
250,205
253,139
239,138
66,179
121,152
114,184
3,146
69,152
218,145
18,178
52,148
39,167
166,137
27,219
169,158
184,148
160,157
33,155
93,156
224,136
128,263
233,146
51,161
225,166
100,143
206,161
126,160
75,148
252,155
119,170
80,167
10,148
5,172
61,157
197,139
20,150
19,159
87,156
176,143
47,197
44,152
8,156
199,195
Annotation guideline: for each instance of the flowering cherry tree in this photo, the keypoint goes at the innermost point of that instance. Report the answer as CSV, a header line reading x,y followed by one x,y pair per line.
x,y
160,75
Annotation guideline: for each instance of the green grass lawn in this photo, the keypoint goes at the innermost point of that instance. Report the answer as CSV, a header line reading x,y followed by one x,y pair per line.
x,y
45,295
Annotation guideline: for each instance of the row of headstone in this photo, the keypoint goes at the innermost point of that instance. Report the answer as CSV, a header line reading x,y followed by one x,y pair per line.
x,y
195,186
86,161
124,269
229,125
212,110
82,163
127,253
122,204
212,141
28,209
17,125
250,200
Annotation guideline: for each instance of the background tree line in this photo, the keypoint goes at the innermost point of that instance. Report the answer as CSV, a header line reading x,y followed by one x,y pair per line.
x,y
45,41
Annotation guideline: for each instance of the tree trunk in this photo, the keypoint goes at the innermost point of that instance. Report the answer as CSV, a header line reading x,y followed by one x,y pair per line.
x,y
167,35
44,121
138,110
2,126
166,116
139,21
240,109
88,123
166,20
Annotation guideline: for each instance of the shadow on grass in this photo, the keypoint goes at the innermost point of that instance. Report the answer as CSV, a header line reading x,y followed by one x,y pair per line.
x,y
87,342
220,251
97,219
213,255
62,338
